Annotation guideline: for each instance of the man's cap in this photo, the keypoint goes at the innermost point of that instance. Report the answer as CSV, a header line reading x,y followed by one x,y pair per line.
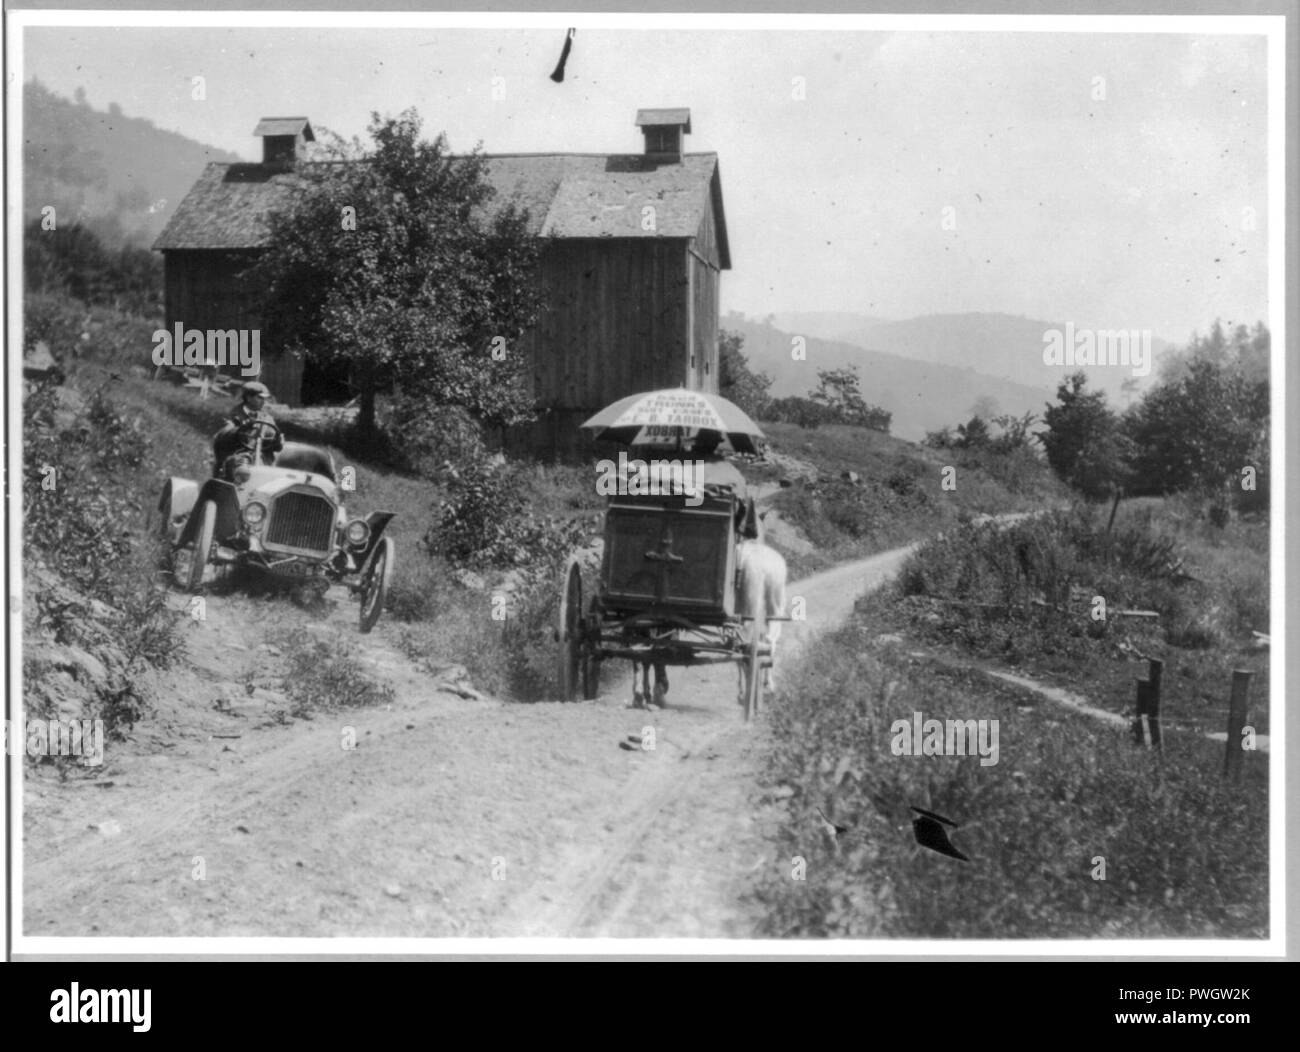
x,y
257,389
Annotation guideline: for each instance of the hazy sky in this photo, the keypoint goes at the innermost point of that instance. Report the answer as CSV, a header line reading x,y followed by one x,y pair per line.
x,y
1122,211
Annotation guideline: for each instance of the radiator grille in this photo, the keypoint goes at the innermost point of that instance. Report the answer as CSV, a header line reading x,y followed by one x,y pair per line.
x,y
300,520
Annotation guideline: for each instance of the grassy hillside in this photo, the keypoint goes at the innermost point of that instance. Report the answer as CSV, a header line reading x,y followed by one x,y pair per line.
x,y
1073,831
899,494
121,176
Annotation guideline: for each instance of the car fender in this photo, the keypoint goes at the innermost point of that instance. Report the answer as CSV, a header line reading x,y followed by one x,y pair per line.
x,y
377,521
177,499
229,516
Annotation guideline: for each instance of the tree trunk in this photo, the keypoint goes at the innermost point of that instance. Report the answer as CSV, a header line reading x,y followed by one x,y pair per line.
x,y
366,416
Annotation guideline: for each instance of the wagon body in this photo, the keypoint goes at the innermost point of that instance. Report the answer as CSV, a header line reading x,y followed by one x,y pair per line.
x,y
666,595
663,552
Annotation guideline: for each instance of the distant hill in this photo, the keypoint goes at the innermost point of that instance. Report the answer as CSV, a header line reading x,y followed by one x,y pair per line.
x,y
923,396
1005,346
826,325
119,175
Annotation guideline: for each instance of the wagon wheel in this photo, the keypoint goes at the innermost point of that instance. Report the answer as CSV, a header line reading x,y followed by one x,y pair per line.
x,y
753,672
590,662
203,544
375,581
568,633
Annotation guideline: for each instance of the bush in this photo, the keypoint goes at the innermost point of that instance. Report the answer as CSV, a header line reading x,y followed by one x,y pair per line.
x,y
421,589
425,437
327,676
794,409
76,512
56,321
99,589
485,521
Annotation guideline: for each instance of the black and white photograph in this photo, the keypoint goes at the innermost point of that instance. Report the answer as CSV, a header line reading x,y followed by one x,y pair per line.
x,y
646,484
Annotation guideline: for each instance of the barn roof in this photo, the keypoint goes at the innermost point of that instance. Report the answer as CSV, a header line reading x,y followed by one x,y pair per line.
x,y
567,195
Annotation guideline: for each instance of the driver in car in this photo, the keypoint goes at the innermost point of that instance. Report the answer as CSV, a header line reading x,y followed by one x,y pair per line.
x,y
238,436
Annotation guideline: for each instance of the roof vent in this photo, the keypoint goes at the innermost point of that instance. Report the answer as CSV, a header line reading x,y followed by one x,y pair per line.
x,y
284,139
663,130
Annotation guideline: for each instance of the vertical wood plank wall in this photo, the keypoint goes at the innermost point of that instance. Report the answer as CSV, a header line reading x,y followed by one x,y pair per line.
x,y
615,321
202,291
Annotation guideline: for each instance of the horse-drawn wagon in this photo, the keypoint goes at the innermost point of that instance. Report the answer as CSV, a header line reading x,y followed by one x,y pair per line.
x,y
672,587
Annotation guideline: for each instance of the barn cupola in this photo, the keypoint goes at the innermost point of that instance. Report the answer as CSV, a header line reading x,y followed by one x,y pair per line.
x,y
284,139
663,130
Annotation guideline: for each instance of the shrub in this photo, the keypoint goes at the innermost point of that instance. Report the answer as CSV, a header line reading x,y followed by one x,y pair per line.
x,y
421,589
77,513
426,436
327,676
485,521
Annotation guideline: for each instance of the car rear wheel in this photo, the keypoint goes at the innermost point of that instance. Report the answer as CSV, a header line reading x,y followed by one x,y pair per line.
x,y
203,544
375,581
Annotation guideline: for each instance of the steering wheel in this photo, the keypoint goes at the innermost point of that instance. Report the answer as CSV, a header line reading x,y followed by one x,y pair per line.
x,y
264,426
264,430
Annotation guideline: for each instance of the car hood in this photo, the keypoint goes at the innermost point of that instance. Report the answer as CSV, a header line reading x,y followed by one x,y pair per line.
x,y
269,482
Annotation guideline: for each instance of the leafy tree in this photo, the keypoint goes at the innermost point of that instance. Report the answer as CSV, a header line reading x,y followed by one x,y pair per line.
x,y
736,381
72,261
840,391
1013,433
1207,418
69,259
974,434
941,439
1083,442
429,289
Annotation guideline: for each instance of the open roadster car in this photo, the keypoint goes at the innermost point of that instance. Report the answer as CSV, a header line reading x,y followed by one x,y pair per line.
x,y
286,519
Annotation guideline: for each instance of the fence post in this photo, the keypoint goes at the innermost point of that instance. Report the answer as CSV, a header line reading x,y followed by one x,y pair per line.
x,y
1146,727
1157,669
1236,721
1139,735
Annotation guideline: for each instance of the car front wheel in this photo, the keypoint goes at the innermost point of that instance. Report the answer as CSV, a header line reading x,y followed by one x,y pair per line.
x,y
376,578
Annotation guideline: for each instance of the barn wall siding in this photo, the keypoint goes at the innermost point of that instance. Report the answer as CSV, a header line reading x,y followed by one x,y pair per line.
x,y
706,238
620,315
614,321
704,289
202,290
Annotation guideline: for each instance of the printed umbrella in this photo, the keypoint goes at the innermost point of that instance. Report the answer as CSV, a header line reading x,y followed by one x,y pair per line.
x,y
667,417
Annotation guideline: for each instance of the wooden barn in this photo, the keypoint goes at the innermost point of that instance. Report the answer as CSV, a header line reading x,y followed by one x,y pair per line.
x,y
635,247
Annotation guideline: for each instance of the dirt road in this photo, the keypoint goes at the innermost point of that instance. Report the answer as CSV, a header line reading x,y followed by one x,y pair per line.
x,y
450,817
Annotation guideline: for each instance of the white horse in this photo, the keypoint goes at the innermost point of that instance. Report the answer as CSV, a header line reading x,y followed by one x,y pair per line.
x,y
760,594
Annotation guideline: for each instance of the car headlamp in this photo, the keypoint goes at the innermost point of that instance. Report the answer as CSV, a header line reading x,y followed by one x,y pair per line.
x,y
358,532
254,513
